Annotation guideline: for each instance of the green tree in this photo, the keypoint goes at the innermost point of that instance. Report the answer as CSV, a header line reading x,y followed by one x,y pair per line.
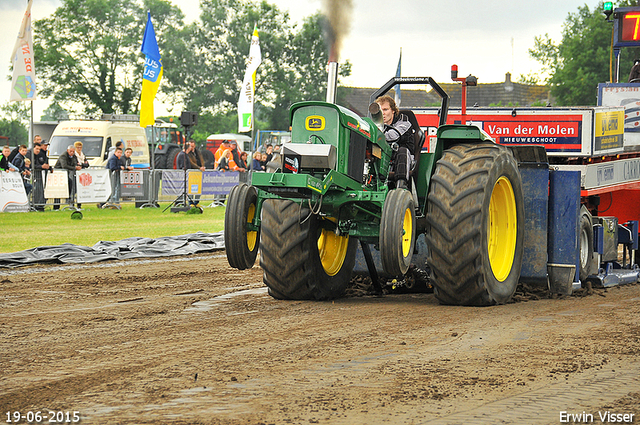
x,y
54,112
15,131
13,125
581,60
306,76
88,52
213,60
15,111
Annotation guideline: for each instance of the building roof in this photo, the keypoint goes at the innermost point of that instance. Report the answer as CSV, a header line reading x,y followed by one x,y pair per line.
x,y
506,93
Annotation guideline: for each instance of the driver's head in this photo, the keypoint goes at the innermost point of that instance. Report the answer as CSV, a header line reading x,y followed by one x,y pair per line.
x,y
388,107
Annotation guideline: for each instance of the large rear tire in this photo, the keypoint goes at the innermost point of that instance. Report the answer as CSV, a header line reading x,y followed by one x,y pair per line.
x,y
397,232
170,160
158,162
241,244
302,260
475,225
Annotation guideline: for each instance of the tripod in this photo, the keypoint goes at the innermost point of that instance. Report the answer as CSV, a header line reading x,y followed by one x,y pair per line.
x,y
182,201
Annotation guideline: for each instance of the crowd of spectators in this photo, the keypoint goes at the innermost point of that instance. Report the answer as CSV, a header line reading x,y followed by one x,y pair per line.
x,y
32,165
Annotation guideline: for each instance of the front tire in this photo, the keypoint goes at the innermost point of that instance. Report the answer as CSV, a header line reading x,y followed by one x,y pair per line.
x,y
301,259
475,225
241,244
397,232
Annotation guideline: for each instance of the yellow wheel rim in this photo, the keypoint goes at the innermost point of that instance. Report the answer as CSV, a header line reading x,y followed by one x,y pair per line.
x,y
333,250
503,228
407,233
252,237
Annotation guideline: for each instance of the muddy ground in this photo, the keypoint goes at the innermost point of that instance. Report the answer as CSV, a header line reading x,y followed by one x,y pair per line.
x,y
188,340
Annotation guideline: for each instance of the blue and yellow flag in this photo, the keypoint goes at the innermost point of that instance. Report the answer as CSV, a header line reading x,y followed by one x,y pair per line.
x,y
152,74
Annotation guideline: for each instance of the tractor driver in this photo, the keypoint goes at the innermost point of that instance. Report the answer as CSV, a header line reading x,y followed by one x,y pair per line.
x,y
399,134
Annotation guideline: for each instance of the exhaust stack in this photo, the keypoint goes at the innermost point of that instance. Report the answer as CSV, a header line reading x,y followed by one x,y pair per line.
x,y
332,81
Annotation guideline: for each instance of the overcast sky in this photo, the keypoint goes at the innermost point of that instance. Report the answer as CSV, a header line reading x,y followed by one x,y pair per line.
x,y
484,40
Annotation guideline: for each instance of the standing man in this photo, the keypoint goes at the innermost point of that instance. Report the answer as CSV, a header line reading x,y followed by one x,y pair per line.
x,y
399,134
69,162
235,155
115,166
182,159
39,164
195,157
196,162
19,162
183,163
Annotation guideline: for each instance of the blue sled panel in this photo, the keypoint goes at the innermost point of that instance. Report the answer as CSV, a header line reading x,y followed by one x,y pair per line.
x,y
535,188
564,215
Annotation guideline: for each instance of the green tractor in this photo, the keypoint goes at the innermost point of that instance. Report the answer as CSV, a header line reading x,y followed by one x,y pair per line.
x,y
332,190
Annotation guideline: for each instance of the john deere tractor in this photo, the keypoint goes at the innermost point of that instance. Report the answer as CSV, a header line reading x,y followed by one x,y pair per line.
x,y
333,189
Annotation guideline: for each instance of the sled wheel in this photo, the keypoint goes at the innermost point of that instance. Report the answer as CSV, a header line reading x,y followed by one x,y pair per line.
x,y
586,246
241,244
475,222
301,259
397,232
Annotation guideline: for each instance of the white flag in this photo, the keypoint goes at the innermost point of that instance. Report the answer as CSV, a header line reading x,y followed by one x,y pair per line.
x,y
23,83
245,102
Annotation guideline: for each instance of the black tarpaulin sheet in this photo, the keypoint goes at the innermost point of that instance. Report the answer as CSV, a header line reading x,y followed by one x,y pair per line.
x,y
120,250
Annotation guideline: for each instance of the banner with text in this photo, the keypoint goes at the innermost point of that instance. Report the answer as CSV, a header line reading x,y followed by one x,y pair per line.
x,y
199,183
133,183
13,198
57,185
94,185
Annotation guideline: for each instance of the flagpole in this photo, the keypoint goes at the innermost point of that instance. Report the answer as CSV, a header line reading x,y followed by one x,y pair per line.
x,y
31,199
30,125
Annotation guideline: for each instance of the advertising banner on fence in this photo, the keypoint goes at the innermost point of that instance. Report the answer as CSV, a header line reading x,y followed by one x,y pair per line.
x,y
199,183
57,185
195,182
132,183
93,185
172,182
219,182
13,198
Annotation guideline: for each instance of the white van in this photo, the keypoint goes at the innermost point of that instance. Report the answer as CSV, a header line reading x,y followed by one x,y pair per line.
x,y
97,138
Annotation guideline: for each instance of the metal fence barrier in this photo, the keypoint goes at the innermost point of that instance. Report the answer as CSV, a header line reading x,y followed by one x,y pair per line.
x,y
62,189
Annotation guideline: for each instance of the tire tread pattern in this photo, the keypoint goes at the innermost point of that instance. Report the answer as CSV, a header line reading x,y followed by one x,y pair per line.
x,y
289,255
456,201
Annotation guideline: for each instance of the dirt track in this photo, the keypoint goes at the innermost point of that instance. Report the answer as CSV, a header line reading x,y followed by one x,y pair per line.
x,y
189,340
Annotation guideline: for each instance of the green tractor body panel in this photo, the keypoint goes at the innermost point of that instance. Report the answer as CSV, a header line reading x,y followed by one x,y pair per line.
x,y
338,163
328,123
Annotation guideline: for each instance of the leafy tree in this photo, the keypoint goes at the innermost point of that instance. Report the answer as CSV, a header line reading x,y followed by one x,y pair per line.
x,y
213,61
54,112
15,111
15,131
581,60
306,76
16,115
88,51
